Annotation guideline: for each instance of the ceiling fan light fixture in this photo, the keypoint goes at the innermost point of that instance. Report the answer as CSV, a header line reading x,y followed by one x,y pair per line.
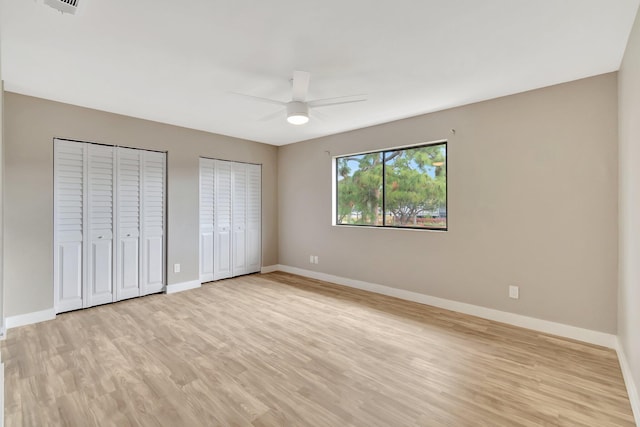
x,y
298,107
297,113
298,119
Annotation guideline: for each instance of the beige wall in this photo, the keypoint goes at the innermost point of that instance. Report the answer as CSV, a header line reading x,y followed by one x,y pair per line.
x,y
532,202
1,207
629,273
31,125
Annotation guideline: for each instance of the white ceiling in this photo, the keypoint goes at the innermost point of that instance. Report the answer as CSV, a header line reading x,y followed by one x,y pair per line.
x,y
178,62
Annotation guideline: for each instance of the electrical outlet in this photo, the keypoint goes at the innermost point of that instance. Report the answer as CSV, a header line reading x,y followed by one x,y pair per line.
x,y
176,268
514,292
310,259
315,259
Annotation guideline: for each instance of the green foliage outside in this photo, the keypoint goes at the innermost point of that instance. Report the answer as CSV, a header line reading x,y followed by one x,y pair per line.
x,y
415,188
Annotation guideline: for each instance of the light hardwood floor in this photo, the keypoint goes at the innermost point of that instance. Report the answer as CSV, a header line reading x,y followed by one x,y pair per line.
x,y
282,350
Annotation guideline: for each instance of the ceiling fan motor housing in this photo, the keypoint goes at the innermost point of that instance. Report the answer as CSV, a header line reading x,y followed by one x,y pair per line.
x,y
297,109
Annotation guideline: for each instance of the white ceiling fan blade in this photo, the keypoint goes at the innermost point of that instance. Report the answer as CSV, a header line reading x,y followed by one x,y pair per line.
x,y
259,98
274,115
336,101
317,115
300,85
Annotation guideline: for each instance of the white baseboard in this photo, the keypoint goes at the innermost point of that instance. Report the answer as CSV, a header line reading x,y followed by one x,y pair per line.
x,y
184,286
29,318
554,328
269,269
632,389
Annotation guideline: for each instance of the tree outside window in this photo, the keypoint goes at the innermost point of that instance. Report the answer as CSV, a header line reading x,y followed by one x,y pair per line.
x,y
394,188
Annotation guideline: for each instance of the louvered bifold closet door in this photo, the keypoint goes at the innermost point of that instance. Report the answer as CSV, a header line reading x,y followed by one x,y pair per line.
x,y
239,213
207,198
68,217
254,218
222,221
128,223
99,251
153,210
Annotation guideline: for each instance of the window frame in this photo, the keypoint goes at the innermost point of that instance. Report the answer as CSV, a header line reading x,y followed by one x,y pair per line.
x,y
383,151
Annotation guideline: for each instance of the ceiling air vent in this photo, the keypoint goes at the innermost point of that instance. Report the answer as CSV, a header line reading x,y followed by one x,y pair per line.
x,y
64,6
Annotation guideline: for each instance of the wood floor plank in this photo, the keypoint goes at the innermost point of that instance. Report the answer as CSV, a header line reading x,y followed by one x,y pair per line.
x,y
283,350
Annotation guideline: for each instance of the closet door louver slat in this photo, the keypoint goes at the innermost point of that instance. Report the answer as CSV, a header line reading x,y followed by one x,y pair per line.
x,y
128,230
69,223
239,183
222,220
100,226
153,210
254,219
207,212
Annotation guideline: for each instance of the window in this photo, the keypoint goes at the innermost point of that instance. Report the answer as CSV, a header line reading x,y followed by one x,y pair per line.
x,y
403,188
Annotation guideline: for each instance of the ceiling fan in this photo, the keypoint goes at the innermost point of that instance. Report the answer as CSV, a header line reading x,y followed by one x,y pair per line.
x,y
298,108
